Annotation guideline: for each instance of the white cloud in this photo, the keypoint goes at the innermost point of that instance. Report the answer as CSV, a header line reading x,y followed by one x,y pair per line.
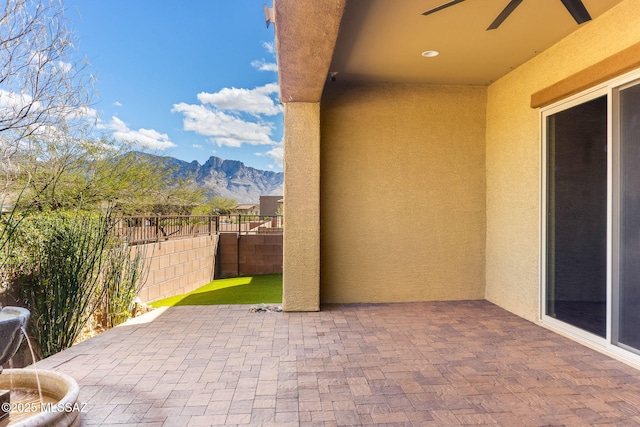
x,y
276,153
13,102
82,115
269,47
233,116
117,104
257,101
16,104
147,138
224,129
65,67
263,65
197,146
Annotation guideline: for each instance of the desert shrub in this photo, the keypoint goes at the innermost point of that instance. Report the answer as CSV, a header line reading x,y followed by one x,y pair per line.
x,y
63,288
66,265
8,226
125,271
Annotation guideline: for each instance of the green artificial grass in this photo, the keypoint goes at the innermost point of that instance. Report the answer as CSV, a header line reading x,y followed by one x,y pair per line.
x,y
265,288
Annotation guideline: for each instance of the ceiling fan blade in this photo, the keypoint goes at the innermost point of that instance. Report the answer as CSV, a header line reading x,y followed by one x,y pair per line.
x,y
442,6
504,14
577,10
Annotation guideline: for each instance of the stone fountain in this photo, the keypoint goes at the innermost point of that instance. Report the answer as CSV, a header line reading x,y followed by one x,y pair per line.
x,y
61,408
12,321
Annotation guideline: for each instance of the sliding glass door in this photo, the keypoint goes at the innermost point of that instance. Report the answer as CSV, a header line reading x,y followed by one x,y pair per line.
x,y
577,216
591,249
627,283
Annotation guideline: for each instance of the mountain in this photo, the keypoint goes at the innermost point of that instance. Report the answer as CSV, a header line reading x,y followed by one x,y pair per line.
x,y
226,178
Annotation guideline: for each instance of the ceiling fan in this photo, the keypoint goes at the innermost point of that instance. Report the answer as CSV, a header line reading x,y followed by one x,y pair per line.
x,y
575,8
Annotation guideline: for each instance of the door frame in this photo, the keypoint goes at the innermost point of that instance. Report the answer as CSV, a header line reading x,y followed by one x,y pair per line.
x,y
608,344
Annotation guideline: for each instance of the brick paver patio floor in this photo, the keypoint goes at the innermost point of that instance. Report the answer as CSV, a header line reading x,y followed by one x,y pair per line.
x,y
414,364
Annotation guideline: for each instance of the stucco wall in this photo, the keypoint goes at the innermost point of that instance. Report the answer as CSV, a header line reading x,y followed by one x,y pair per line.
x,y
402,193
513,155
270,205
301,243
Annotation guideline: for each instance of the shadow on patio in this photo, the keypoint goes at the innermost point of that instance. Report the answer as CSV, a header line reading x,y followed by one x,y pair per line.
x,y
420,364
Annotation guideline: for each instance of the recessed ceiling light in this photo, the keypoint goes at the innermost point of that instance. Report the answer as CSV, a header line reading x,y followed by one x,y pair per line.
x,y
430,53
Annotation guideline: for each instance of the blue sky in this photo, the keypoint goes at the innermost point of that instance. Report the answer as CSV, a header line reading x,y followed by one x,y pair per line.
x,y
187,79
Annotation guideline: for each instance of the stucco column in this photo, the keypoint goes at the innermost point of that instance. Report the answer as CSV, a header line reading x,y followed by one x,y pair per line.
x,y
301,271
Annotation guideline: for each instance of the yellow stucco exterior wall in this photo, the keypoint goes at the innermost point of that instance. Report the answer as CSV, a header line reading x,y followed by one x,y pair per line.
x,y
513,155
402,193
301,241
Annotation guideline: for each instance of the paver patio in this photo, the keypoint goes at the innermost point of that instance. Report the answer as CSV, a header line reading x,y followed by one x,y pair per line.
x,y
415,364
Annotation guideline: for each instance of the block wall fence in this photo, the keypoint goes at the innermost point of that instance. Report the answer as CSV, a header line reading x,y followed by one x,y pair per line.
x,y
245,255
180,266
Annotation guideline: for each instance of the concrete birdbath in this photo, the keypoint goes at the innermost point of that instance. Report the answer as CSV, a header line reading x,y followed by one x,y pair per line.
x,y
59,404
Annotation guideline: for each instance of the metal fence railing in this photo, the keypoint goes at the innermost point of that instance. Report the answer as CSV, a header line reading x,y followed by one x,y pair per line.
x,y
156,228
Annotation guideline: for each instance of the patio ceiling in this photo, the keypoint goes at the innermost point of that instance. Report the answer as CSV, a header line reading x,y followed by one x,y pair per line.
x,y
382,40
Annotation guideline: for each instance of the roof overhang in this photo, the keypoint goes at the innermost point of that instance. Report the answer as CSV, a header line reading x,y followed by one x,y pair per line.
x,y
382,41
306,34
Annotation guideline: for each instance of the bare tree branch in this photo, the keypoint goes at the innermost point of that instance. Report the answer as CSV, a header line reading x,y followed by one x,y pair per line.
x,y
41,84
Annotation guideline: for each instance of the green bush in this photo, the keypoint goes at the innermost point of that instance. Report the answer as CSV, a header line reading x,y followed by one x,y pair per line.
x,y
8,228
67,265
64,288
123,275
